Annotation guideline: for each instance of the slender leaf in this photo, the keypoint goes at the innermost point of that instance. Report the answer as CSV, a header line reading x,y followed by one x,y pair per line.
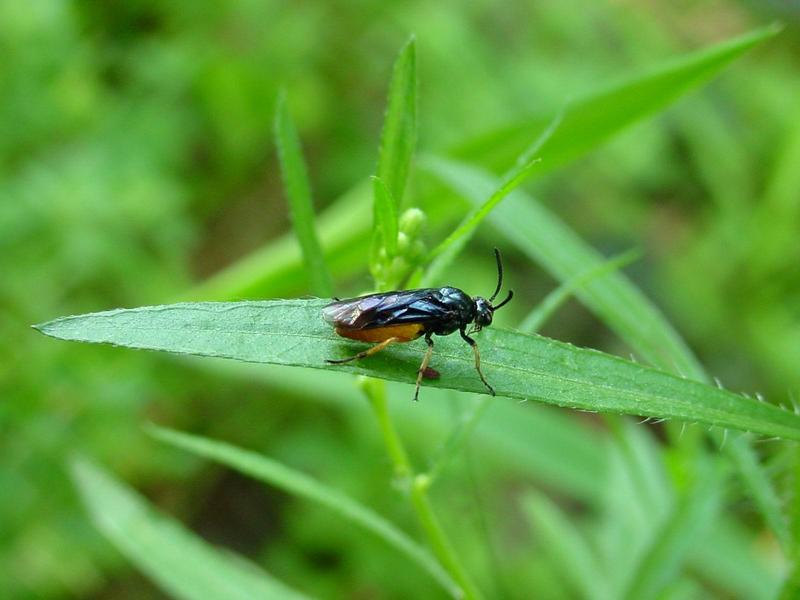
x,y
386,220
457,437
600,116
672,543
180,562
298,192
294,482
575,560
555,299
276,269
292,332
731,558
443,255
399,135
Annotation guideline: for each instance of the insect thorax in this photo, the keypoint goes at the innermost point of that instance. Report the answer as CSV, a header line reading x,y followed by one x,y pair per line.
x,y
461,308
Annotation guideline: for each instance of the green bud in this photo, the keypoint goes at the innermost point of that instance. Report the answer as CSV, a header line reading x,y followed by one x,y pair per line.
x,y
402,243
417,251
412,221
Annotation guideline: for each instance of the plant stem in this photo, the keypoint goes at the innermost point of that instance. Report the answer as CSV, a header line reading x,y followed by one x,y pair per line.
x,y
437,538
375,390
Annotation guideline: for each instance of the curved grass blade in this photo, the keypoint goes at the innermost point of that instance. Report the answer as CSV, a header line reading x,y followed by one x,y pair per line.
x,y
578,567
446,252
292,332
598,117
694,514
181,563
298,192
292,481
555,299
729,558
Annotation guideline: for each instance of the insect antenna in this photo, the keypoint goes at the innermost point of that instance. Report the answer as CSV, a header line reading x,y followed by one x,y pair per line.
x,y
499,274
506,301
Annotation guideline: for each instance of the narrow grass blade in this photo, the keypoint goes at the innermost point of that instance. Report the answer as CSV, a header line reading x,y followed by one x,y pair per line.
x,y
758,483
445,253
555,299
600,116
386,220
731,560
292,481
457,437
672,543
181,563
399,135
277,270
292,332
644,462
573,557
298,192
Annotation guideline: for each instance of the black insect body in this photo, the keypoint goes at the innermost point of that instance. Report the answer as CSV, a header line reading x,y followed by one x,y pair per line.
x,y
397,317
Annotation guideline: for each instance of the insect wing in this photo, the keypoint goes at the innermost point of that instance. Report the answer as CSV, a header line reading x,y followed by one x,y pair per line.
x,y
378,310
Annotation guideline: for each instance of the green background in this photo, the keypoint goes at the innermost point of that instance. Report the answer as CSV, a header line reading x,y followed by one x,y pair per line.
x,y
136,161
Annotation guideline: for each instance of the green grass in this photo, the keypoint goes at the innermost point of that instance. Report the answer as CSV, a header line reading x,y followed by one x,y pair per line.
x,y
298,192
178,560
650,502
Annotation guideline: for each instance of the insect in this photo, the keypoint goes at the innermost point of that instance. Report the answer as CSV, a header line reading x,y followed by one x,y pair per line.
x,y
397,317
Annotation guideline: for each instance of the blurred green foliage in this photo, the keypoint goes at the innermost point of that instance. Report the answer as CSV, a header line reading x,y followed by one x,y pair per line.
x,y
136,160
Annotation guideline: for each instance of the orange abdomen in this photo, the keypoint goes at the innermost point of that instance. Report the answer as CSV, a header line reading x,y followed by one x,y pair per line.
x,y
404,333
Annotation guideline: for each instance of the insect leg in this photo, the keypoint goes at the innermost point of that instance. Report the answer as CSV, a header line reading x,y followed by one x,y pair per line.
x,y
364,353
477,353
424,366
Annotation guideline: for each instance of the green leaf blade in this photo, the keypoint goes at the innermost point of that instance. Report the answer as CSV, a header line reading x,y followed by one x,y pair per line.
x,y
574,558
386,219
183,564
399,136
292,332
542,312
445,253
274,473
598,117
298,193
671,544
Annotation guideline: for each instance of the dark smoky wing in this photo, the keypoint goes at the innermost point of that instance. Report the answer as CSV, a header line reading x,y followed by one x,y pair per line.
x,y
379,310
